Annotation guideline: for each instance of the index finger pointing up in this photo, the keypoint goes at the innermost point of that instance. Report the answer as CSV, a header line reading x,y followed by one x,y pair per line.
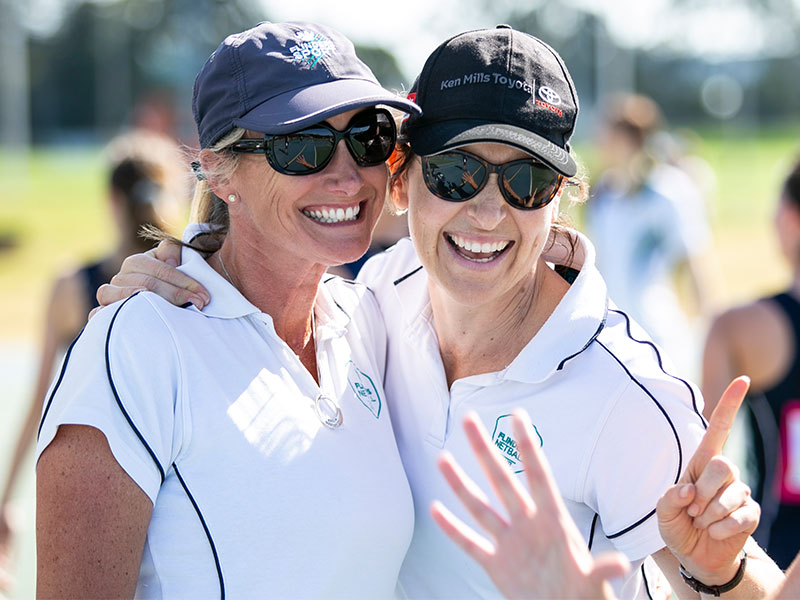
x,y
719,427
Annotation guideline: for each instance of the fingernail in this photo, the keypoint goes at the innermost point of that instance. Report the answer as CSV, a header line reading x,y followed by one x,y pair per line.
x,y
683,491
694,510
197,303
171,262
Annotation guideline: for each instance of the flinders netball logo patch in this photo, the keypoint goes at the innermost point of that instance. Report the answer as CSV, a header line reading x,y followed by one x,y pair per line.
x,y
364,389
504,441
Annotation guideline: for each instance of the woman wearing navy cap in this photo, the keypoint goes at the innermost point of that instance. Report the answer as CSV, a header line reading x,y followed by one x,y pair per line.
x,y
494,305
243,449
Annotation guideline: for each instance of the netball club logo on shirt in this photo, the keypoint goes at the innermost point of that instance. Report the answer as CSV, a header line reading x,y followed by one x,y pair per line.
x,y
364,389
311,47
504,441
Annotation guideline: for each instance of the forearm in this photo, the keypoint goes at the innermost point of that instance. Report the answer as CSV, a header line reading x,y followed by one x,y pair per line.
x,y
762,577
790,588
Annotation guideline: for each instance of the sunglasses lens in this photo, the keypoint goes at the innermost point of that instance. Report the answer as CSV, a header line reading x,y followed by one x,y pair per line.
x,y
529,185
302,152
453,176
371,137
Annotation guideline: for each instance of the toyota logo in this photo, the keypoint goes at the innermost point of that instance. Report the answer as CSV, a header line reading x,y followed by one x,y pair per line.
x,y
549,95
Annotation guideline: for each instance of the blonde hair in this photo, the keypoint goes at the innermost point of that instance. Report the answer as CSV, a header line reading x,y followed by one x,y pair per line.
x,y
206,206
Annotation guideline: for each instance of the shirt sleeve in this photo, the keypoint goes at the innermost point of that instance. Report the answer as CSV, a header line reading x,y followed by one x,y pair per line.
x,y
648,437
122,377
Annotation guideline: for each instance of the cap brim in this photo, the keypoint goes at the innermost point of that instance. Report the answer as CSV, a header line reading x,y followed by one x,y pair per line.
x,y
427,139
296,109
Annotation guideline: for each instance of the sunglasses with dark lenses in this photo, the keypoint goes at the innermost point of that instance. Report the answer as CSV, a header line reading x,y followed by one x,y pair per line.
x,y
370,137
457,176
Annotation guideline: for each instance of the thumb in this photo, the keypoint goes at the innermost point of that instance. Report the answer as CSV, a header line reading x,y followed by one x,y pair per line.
x,y
610,565
674,500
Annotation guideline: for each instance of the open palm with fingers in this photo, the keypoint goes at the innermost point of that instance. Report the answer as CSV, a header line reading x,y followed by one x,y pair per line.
x,y
536,550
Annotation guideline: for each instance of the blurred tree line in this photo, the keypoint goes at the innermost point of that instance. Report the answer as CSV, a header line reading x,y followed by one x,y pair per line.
x,y
112,58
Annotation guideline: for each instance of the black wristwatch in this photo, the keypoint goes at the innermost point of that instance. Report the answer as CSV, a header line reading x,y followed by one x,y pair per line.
x,y
715,590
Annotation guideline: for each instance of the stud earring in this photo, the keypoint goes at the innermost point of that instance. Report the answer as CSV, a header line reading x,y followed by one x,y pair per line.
x,y
232,198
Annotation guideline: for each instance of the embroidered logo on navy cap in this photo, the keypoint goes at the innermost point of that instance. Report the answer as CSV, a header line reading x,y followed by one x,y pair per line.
x,y
311,47
364,389
504,441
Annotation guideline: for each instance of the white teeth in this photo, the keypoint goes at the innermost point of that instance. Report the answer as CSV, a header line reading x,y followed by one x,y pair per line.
x,y
477,247
334,215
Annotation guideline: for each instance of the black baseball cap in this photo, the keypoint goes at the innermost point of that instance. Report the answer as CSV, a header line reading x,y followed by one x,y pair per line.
x,y
495,85
282,77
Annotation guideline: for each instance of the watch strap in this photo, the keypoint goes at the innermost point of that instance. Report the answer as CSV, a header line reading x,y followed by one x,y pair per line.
x,y
715,590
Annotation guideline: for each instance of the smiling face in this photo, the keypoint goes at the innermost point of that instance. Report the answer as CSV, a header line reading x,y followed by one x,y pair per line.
x,y
479,250
325,218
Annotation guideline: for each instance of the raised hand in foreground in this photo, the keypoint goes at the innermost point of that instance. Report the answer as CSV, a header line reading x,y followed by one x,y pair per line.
x,y
536,551
707,517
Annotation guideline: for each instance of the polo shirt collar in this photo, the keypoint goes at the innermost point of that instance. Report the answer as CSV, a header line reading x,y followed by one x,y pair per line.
x,y
226,301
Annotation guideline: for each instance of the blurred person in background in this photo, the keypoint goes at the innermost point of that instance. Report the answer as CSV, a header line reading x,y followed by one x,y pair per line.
x,y
648,221
762,340
146,188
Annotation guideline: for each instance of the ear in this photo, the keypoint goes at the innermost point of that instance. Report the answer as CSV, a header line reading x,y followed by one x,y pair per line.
x,y
400,191
209,161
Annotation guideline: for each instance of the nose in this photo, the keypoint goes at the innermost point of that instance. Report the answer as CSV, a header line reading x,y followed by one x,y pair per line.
x,y
488,209
342,175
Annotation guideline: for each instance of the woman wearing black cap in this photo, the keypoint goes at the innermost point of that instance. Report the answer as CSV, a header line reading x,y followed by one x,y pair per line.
x,y
493,306
243,449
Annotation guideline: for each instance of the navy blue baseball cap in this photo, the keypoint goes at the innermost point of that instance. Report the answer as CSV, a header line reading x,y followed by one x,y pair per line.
x,y
282,77
496,85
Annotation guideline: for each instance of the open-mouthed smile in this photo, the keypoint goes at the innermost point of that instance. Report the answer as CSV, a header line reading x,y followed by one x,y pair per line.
x,y
333,214
477,251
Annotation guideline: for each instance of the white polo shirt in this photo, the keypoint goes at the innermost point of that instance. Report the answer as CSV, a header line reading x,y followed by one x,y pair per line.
x,y
616,428
225,411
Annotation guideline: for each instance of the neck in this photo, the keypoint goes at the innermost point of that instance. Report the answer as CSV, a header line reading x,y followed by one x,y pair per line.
x,y
286,292
486,338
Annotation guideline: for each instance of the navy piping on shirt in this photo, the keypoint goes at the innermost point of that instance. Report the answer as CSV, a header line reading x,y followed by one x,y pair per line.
x,y
591,339
58,383
407,275
116,395
646,583
672,426
661,365
591,531
205,528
